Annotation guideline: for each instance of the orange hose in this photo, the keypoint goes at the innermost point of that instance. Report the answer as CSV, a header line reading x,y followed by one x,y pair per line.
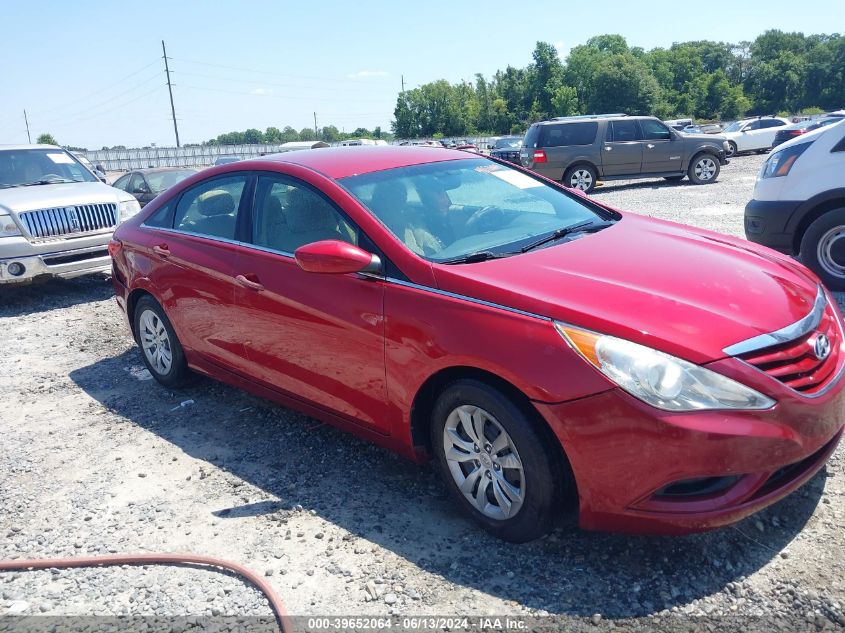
x,y
157,559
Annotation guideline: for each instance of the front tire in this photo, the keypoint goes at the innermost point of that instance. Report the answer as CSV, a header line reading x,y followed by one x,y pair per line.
x,y
703,169
823,248
581,177
160,348
732,150
494,461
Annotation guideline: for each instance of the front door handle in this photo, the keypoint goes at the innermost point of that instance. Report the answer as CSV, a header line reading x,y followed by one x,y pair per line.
x,y
650,146
249,283
607,148
161,249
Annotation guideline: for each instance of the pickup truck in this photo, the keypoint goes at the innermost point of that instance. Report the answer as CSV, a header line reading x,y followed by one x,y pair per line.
x,y
56,218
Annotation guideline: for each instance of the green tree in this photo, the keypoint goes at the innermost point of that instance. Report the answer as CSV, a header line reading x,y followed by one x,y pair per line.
x,y
623,84
46,139
329,134
272,135
253,136
307,134
288,135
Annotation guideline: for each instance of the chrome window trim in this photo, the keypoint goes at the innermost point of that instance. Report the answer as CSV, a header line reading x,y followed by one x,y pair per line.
x,y
786,334
213,238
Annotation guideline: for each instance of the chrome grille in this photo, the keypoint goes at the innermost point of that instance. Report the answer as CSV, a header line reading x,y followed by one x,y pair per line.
x,y
62,221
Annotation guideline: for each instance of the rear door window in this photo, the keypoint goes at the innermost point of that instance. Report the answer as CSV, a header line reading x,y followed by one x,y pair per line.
x,y
565,134
622,131
211,207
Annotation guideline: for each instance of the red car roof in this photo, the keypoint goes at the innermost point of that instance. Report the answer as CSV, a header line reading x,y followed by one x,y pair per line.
x,y
340,162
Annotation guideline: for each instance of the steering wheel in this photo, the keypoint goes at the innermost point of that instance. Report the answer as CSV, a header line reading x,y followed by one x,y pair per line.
x,y
486,219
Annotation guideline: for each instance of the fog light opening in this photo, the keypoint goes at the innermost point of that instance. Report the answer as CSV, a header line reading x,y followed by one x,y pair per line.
x,y
696,487
16,269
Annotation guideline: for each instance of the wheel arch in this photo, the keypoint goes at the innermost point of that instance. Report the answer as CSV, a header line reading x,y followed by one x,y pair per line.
x,y
131,302
812,211
423,405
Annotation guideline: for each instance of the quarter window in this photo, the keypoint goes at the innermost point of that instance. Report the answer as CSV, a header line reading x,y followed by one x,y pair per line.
x,y
211,208
289,214
570,134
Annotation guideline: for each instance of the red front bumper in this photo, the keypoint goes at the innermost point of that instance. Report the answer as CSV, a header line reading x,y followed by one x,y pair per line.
x,y
625,453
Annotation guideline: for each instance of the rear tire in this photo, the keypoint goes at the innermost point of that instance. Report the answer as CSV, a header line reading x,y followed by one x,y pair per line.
x,y
703,169
582,177
160,348
494,462
823,248
732,150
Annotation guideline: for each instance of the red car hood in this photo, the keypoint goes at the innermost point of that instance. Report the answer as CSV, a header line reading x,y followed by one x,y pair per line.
x,y
685,291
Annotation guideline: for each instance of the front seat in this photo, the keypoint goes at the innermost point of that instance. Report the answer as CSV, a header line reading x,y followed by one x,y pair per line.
x,y
216,208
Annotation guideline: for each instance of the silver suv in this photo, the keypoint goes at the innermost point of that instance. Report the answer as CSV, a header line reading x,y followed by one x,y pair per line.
x,y
56,218
580,150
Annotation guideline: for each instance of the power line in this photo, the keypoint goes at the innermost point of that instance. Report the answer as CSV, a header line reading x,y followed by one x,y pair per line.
x,y
111,85
117,107
88,109
182,73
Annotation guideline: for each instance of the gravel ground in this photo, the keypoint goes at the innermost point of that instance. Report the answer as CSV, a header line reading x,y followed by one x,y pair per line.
x,y
97,458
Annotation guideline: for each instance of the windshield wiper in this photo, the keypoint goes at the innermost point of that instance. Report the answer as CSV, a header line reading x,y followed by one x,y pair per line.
x,y
477,256
578,227
52,181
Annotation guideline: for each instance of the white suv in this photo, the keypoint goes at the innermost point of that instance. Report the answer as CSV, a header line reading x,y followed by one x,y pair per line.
x,y
799,202
751,135
56,218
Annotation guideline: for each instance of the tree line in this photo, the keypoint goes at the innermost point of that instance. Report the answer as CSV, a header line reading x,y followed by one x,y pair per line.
x,y
328,133
776,73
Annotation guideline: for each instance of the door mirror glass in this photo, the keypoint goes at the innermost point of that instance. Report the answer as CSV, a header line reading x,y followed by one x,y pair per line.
x,y
336,257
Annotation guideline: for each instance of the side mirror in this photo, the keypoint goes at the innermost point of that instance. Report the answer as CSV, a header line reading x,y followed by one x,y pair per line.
x,y
100,168
490,146
142,189
336,257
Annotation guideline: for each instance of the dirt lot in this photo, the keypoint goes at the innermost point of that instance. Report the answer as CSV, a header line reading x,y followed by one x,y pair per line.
x,y
96,457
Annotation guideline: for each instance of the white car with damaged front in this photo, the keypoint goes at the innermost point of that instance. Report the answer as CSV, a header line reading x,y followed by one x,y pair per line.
x,y
56,218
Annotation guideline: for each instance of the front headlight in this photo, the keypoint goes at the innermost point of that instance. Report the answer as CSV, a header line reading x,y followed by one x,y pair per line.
x,y
128,208
780,162
658,379
8,228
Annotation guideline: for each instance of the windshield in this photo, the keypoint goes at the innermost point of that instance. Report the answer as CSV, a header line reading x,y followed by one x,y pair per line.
x,y
161,180
508,142
447,210
40,166
734,127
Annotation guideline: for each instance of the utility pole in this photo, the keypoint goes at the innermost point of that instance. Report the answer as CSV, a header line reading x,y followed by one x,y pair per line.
x,y
403,82
170,90
316,133
28,137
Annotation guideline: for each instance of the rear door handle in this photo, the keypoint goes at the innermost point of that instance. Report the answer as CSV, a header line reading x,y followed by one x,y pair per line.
x,y
161,249
248,283
607,148
650,146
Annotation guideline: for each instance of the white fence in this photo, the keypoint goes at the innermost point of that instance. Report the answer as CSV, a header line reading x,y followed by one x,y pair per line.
x,y
141,158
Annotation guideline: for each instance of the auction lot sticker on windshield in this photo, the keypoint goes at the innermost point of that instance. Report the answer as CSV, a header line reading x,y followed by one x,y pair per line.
x,y
517,179
60,158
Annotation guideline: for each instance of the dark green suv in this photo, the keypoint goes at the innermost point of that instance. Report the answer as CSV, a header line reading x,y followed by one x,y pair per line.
x,y
580,150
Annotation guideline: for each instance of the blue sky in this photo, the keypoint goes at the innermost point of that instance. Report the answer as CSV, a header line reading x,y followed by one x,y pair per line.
x,y
91,73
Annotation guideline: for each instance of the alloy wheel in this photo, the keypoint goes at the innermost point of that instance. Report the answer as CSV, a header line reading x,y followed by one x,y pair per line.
x,y
581,179
155,342
705,169
484,462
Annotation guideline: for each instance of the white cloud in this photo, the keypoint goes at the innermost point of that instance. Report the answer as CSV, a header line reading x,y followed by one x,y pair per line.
x,y
363,74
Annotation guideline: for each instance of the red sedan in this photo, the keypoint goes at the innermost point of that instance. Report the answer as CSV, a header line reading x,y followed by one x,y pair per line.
x,y
550,353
